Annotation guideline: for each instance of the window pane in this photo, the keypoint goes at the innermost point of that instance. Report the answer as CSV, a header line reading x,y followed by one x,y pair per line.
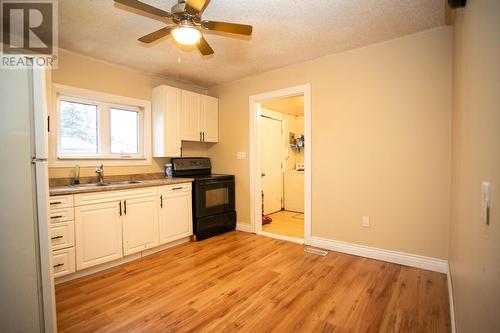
x,y
124,131
78,128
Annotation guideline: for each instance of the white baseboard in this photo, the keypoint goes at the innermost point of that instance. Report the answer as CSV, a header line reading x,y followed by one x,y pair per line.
x,y
429,263
244,227
121,261
452,302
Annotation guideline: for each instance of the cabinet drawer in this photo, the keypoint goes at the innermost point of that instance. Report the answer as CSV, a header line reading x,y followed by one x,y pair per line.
x,y
184,187
61,214
108,196
63,261
60,201
62,235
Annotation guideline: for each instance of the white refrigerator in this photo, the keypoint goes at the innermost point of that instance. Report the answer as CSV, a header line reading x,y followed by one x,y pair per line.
x,y
26,283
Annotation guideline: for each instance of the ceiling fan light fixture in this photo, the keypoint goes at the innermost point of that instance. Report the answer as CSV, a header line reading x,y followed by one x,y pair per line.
x,y
186,35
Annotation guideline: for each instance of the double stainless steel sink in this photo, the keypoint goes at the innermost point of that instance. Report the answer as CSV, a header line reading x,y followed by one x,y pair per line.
x,y
126,182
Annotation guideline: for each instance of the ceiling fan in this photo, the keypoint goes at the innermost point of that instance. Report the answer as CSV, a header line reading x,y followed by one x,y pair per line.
x,y
187,24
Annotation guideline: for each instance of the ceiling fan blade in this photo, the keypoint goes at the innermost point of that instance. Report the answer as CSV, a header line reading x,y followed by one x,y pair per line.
x,y
204,48
149,38
195,7
234,28
144,7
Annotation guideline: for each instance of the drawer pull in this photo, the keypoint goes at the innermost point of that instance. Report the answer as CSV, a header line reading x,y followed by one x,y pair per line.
x,y
56,217
58,265
56,237
56,203
177,188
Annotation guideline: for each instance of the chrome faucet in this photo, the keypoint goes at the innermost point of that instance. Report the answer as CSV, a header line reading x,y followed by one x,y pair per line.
x,y
100,173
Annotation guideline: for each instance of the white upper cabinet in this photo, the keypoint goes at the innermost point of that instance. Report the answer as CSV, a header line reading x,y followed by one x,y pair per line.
x,y
190,116
166,122
209,119
181,115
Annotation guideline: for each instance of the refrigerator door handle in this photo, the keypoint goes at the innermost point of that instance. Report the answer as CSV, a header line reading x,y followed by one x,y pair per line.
x,y
35,160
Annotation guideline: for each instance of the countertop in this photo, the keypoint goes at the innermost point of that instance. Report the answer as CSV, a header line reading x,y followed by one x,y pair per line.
x,y
70,189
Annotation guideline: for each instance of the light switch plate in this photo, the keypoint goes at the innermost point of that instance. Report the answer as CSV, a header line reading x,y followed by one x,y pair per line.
x,y
366,221
241,155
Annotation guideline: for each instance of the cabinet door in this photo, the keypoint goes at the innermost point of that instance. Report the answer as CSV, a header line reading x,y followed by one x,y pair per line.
x,y
166,122
175,216
63,262
190,116
62,235
98,234
210,118
140,224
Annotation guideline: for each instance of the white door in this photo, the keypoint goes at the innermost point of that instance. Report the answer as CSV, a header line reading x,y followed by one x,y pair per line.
x,y
272,179
210,118
98,234
175,216
190,116
140,224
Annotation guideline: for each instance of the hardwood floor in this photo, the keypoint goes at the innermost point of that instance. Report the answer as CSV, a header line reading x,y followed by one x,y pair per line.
x,y
248,283
286,223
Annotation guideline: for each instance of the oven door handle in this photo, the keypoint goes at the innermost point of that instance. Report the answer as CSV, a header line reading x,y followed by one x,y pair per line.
x,y
216,182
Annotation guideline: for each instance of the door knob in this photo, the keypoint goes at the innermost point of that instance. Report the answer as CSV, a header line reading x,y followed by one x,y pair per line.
x,y
263,174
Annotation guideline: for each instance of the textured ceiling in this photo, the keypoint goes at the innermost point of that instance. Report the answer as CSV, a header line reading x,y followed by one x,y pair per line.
x,y
290,105
285,32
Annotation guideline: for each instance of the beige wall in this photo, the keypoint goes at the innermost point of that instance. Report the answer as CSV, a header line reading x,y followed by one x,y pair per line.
x,y
474,246
381,118
89,73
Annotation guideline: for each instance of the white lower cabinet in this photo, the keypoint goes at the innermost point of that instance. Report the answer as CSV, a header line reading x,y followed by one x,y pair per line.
x,y
175,215
98,230
140,224
112,224
63,261
62,235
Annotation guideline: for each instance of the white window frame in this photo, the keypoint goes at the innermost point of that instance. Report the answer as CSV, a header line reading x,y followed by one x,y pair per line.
x,y
105,102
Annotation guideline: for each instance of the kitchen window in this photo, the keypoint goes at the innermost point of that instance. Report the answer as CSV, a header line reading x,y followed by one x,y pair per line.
x,y
94,126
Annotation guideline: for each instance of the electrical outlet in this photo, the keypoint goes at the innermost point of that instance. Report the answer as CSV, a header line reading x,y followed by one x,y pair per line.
x,y
241,155
366,222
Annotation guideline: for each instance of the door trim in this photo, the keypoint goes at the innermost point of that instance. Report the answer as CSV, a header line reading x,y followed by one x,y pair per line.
x,y
254,155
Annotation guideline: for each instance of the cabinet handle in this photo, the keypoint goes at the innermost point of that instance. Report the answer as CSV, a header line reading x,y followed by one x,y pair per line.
x,y
200,136
56,237
203,136
161,201
177,188
56,203
58,265
56,217
125,207
120,208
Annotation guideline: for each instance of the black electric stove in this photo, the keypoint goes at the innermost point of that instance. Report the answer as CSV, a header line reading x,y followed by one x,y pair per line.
x,y
213,196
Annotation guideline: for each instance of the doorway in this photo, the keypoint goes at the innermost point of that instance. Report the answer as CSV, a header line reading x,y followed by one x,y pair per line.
x,y
280,160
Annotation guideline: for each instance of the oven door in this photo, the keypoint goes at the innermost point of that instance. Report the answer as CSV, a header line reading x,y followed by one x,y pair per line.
x,y
213,197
